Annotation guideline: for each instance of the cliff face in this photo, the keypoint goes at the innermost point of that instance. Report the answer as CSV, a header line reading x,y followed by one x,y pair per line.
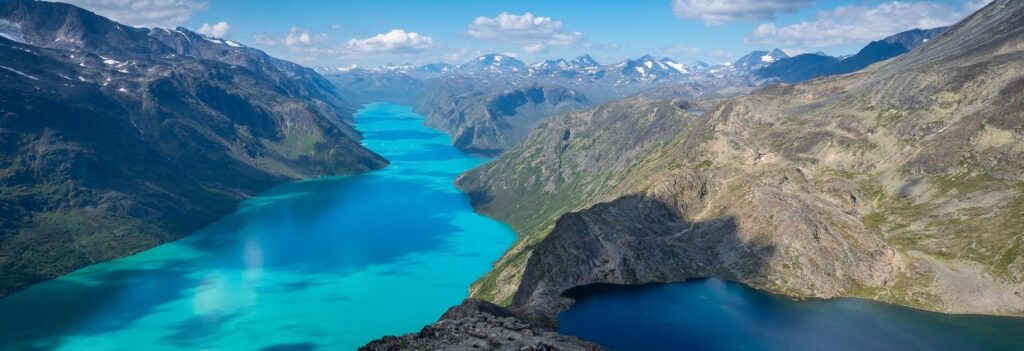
x,y
115,139
902,183
489,123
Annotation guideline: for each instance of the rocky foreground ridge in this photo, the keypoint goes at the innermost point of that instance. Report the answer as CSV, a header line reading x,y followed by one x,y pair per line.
x,y
481,325
901,183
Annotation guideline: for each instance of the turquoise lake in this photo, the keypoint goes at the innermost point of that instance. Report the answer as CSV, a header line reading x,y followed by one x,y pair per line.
x,y
712,314
320,264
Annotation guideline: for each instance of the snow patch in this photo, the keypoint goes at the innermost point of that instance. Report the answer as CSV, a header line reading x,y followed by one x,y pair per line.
x,y
19,73
678,67
111,61
11,31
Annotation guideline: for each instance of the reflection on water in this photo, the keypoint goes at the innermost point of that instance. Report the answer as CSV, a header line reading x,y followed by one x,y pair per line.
x,y
327,263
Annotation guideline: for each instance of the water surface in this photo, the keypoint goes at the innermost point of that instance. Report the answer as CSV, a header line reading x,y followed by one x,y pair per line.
x,y
320,264
711,314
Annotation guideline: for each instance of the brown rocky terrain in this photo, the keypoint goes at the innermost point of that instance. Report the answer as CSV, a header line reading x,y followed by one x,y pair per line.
x,y
901,183
481,325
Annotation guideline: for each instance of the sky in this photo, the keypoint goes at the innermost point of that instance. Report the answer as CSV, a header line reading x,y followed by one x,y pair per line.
x,y
370,33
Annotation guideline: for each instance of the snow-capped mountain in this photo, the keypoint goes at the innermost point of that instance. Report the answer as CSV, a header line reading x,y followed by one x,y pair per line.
x,y
584,62
758,59
648,69
549,67
494,63
339,69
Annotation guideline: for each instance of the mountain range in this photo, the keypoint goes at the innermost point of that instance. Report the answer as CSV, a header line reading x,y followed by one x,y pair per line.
x,y
807,66
434,88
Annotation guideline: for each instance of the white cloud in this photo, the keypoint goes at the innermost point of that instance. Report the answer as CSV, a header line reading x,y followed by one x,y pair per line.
x,y
296,38
856,24
717,12
216,30
534,33
396,41
462,54
143,13
970,6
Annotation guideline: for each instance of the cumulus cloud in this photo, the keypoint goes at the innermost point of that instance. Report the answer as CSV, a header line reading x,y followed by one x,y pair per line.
x,y
396,41
462,54
143,13
534,33
856,24
296,37
717,12
216,30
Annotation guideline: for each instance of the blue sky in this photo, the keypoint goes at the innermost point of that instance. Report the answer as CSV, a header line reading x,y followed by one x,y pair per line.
x,y
371,33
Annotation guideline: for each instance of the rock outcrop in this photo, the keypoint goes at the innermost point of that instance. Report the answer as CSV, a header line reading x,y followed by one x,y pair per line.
x,y
480,325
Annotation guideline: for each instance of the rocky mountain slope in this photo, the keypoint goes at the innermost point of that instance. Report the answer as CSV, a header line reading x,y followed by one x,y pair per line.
x,y
902,183
804,67
480,325
489,123
115,139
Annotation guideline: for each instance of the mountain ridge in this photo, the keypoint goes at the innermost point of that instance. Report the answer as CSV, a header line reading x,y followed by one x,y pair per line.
x,y
116,142
865,185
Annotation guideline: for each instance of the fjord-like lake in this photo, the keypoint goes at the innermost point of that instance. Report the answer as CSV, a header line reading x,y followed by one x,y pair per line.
x,y
712,314
329,264
319,264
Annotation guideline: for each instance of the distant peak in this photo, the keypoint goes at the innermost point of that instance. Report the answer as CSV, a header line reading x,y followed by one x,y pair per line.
x,y
586,61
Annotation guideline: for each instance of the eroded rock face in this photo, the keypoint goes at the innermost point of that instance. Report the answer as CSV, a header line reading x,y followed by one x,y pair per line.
x,y
480,325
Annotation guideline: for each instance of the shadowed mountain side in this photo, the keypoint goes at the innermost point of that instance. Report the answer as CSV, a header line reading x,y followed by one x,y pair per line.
x,y
641,239
807,66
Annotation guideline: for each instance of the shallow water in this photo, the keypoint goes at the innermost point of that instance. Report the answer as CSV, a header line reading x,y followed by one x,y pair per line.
x,y
711,314
321,264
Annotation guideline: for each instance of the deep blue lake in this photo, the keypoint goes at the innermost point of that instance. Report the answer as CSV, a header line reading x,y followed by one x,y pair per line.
x,y
711,314
320,264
